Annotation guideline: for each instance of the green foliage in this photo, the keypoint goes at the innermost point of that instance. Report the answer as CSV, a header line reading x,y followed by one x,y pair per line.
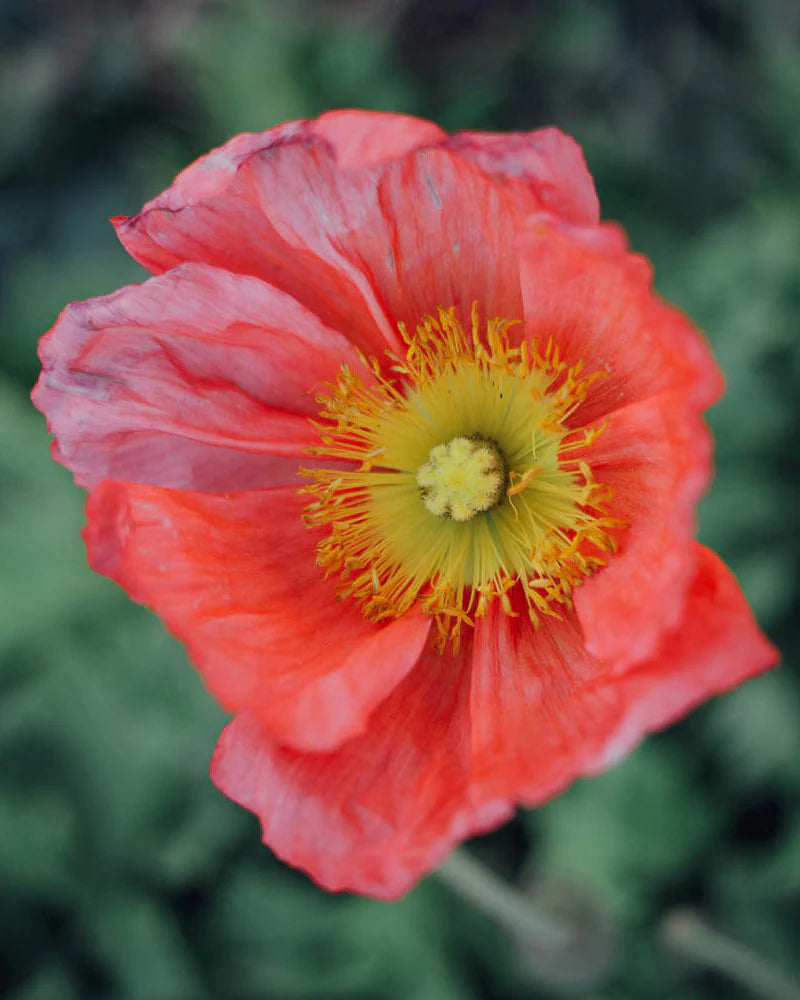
x,y
124,873
629,831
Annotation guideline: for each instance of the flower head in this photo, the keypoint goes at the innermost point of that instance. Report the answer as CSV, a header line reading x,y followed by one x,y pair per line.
x,y
400,443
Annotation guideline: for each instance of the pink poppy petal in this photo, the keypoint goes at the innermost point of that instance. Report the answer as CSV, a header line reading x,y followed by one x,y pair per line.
x,y
199,379
272,210
527,740
596,302
343,242
235,578
367,138
457,247
716,647
384,808
213,172
655,455
546,161
544,712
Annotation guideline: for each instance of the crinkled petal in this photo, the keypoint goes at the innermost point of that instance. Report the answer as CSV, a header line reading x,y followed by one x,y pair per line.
x,y
716,647
384,808
547,162
229,224
544,712
236,208
595,300
344,242
357,138
655,455
454,248
199,379
214,171
527,739
367,138
235,578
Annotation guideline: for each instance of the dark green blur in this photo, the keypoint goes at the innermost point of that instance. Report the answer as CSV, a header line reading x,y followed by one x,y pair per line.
x,y
123,872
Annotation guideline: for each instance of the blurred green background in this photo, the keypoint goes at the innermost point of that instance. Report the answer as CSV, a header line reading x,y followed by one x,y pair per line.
x,y
123,872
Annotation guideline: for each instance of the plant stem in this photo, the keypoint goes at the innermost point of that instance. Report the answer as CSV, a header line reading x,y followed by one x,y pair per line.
x,y
687,934
516,912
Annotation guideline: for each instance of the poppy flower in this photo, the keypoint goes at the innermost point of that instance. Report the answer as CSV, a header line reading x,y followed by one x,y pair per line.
x,y
400,442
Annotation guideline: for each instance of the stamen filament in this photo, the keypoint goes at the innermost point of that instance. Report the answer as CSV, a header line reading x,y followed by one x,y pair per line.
x,y
468,484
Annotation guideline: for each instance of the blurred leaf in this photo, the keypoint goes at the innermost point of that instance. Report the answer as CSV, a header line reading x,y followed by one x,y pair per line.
x,y
754,730
270,932
624,831
415,955
37,841
240,60
43,571
140,946
52,982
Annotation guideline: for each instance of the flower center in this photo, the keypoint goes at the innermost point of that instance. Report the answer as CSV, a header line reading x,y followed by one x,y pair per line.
x,y
464,481
462,478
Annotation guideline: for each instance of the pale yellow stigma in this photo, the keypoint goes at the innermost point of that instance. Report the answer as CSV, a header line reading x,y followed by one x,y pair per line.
x,y
462,478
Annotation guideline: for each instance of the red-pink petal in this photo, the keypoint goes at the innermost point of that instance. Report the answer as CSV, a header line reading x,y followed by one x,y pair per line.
x,y
343,241
655,455
716,647
235,578
544,712
383,809
277,205
367,138
199,379
527,739
455,248
231,227
214,171
597,304
546,161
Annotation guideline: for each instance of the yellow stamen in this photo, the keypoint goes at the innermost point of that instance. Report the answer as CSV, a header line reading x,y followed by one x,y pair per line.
x,y
463,487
